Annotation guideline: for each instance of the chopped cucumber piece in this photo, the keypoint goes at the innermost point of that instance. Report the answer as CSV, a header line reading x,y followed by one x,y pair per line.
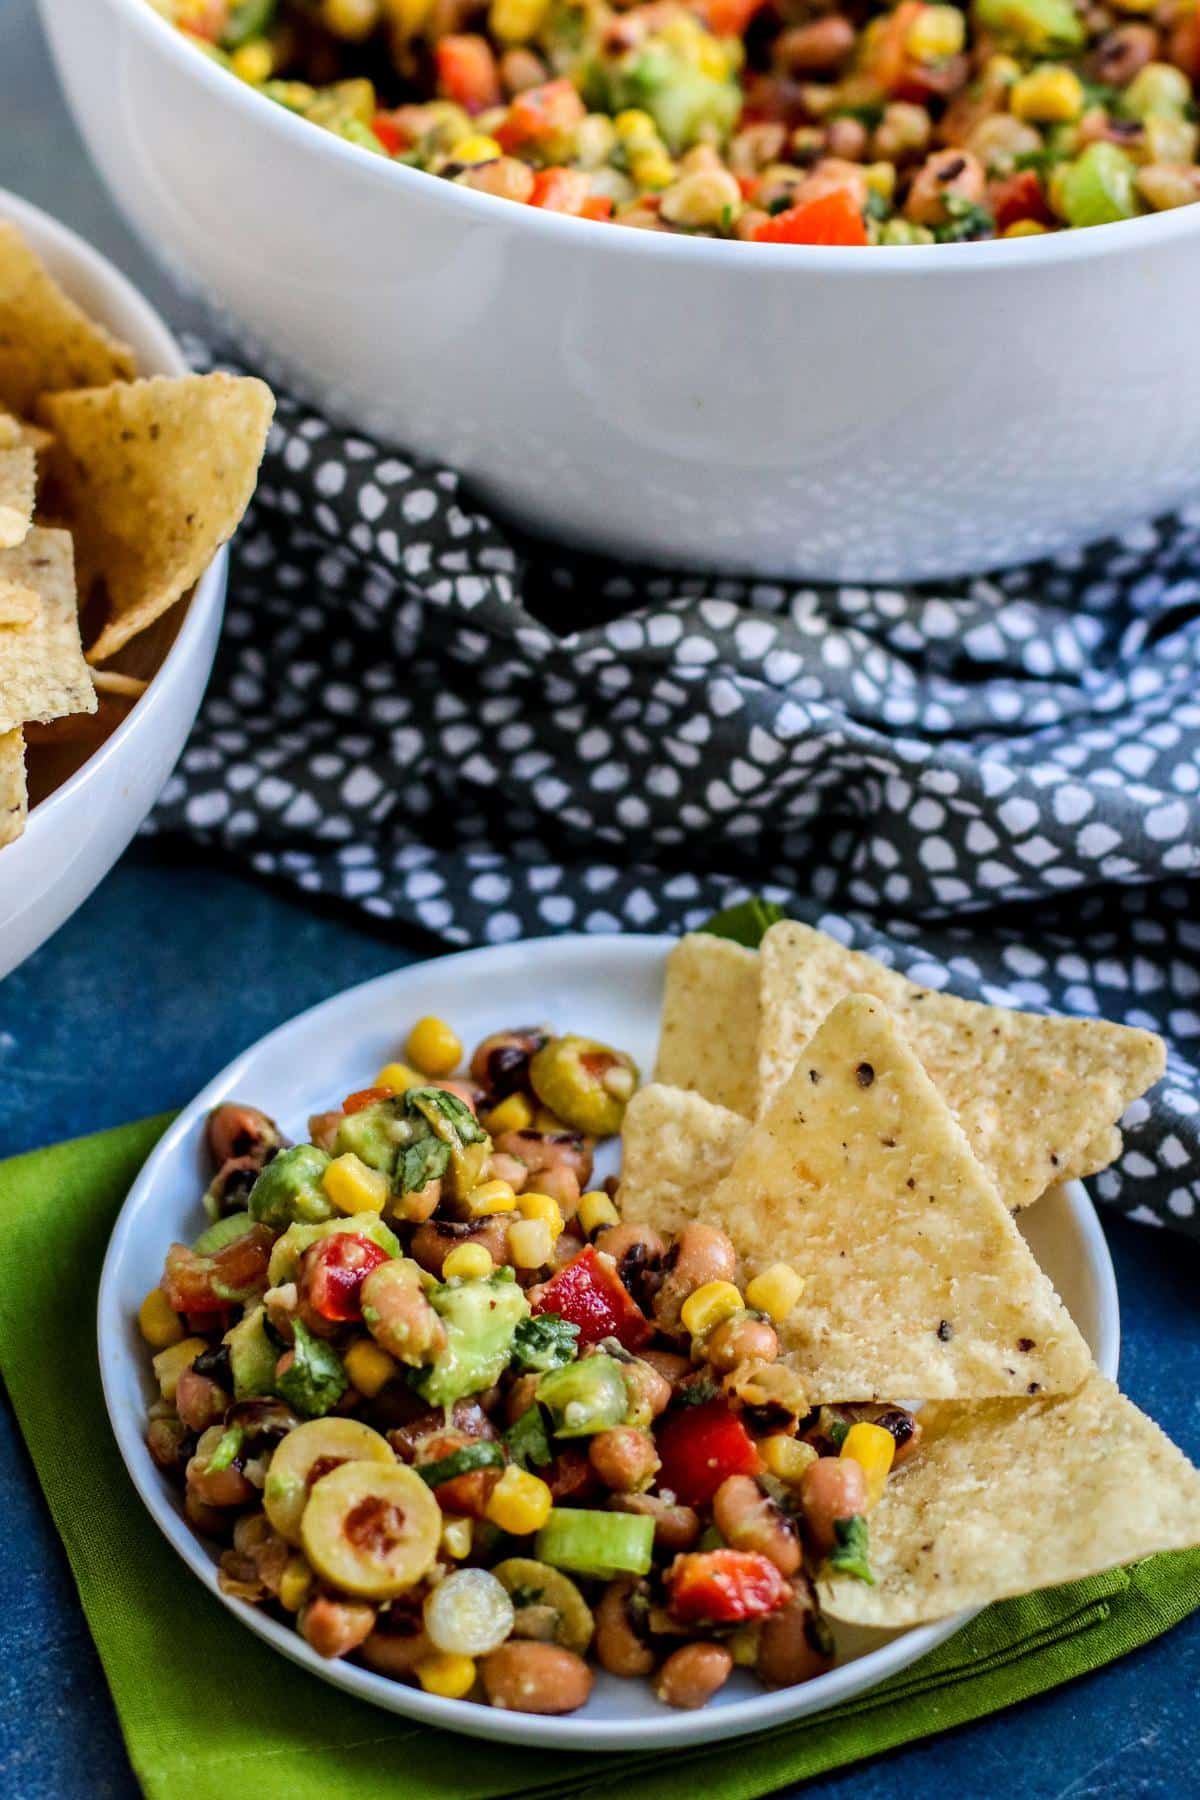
x,y
1096,189
222,1232
584,1397
600,1544
483,1455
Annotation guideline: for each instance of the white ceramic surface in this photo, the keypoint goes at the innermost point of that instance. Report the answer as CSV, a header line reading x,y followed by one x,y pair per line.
x,y
75,835
607,987
845,414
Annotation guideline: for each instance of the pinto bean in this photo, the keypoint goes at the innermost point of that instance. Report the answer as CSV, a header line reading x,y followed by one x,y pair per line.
x,y
619,1649
701,1253
335,1627
525,1676
749,1520
691,1676
833,1488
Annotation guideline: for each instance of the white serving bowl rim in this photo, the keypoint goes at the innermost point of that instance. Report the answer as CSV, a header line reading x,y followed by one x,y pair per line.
x,y
208,590
932,261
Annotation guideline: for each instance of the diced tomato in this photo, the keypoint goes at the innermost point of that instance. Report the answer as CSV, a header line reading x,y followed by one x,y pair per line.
x,y
833,219
699,1446
365,1097
1019,196
561,190
467,72
389,133
541,113
748,185
596,206
722,1587
890,62
208,1284
589,1293
729,18
332,1273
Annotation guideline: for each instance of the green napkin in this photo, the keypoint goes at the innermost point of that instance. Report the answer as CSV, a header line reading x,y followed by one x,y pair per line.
x,y
206,1709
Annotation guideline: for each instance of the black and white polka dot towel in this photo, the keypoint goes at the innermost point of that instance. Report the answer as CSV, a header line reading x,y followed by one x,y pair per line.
x,y
995,788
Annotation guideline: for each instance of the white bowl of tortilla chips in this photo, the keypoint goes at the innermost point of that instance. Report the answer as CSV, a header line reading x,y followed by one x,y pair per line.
x,y
121,477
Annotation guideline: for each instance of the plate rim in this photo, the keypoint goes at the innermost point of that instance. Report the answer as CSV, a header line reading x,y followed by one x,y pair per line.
x,y
758,1712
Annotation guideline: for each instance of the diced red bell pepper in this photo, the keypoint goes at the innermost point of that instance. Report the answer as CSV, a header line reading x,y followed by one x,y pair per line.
x,y
890,61
722,1587
596,206
729,18
332,1273
589,1293
561,190
699,1446
208,1284
1019,196
389,133
363,1097
833,219
467,72
541,113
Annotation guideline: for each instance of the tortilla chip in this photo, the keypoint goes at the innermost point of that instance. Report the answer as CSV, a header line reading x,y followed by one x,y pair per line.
x,y
675,1148
710,1022
47,342
18,482
1034,1094
917,1281
13,801
42,671
152,477
1015,1495
18,605
125,687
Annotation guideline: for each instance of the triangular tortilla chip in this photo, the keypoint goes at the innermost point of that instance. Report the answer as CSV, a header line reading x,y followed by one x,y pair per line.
x,y
709,1028
152,477
917,1281
18,483
1014,1495
18,605
42,671
12,786
675,1148
46,341
1034,1094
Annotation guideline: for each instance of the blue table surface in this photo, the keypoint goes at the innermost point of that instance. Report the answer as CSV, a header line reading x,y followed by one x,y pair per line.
x,y
177,963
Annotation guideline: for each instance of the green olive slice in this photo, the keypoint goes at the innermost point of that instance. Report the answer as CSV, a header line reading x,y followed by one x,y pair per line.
x,y
309,1452
371,1531
546,1603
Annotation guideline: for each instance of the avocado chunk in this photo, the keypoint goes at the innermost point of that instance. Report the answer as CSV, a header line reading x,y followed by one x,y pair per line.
x,y
288,1249
584,1397
289,1190
480,1318
371,1134
252,1356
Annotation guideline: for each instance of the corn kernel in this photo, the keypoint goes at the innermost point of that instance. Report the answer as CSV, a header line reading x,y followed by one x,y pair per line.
x,y
530,1243
548,1123
457,1537
491,1197
651,169
470,1262
935,33
541,1206
352,19
368,1367
873,1448
880,178
519,1503
1051,94
445,1674
516,21
158,1322
253,62
513,1114
170,1363
399,1077
776,1291
295,1584
743,1647
406,17
712,59
633,123
478,148
709,1305
353,1187
432,1046
786,1458
1025,228
597,1212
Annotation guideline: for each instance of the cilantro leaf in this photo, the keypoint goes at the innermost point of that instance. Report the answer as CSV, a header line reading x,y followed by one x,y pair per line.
x,y
315,1380
746,924
849,1554
545,1342
697,1393
965,223
425,1161
434,1105
527,1442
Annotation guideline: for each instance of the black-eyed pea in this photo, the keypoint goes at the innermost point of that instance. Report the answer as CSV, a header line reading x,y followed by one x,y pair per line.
x,y
676,1527
624,1458
619,1648
794,1644
742,1339
748,1519
692,1675
832,1489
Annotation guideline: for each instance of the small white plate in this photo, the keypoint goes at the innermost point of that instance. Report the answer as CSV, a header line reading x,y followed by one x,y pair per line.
x,y
607,987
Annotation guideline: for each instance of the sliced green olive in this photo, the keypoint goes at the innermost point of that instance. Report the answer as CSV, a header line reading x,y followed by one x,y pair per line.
x,y
547,1604
584,1083
371,1531
308,1453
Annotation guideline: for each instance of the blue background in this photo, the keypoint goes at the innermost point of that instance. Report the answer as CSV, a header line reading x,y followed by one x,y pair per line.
x,y
176,964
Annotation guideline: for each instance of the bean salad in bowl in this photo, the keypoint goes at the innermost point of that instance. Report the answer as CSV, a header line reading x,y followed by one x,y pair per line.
x,y
765,121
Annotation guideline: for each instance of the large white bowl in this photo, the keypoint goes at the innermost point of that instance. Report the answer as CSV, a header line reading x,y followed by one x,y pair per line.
x,y
610,988
75,835
845,414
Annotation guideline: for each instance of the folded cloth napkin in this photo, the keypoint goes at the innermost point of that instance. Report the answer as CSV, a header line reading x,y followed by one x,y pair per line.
x,y
995,787
207,1710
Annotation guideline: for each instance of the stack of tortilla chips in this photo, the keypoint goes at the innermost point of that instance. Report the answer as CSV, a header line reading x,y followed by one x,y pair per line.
x,y
112,504
879,1137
